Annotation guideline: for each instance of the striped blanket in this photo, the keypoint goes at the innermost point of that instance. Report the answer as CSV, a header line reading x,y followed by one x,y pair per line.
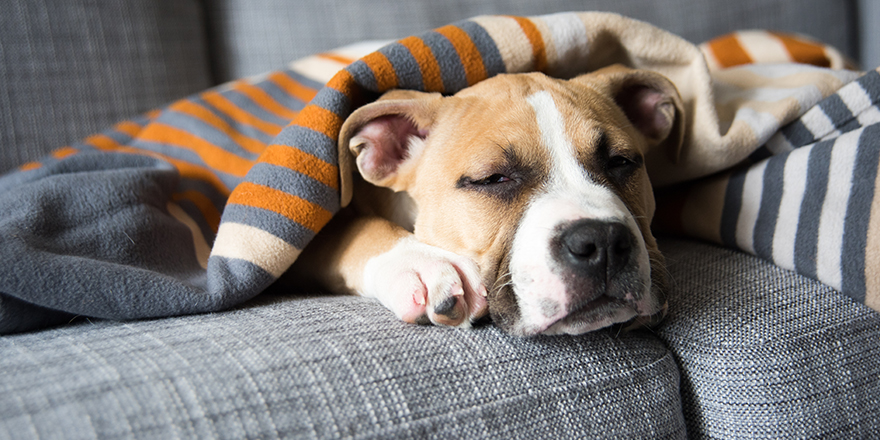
x,y
203,204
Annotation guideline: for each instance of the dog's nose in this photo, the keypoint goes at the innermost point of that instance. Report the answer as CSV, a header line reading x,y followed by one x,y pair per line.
x,y
596,248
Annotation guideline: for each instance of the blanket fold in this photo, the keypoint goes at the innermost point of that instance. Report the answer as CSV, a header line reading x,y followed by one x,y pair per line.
x,y
203,204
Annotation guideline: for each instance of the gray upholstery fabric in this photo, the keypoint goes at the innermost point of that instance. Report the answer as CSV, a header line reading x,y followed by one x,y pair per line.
x,y
72,68
766,353
254,36
336,367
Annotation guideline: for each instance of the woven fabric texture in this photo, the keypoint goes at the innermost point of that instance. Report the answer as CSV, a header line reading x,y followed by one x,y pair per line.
x,y
766,353
254,36
338,367
72,68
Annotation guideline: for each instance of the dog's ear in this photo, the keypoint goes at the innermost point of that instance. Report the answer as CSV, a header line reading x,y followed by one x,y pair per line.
x,y
651,102
386,135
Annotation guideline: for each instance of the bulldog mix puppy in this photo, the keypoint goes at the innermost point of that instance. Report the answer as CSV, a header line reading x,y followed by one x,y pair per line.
x,y
524,197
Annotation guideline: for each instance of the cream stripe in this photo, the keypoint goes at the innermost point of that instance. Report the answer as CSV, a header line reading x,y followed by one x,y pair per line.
x,y
831,221
512,42
818,123
763,47
855,98
751,205
569,41
872,252
870,116
323,69
316,68
793,188
257,246
200,245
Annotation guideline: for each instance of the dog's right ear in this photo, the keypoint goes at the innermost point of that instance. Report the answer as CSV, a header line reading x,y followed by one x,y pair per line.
x,y
386,135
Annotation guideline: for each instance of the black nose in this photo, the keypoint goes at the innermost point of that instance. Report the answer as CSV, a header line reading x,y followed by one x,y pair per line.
x,y
596,248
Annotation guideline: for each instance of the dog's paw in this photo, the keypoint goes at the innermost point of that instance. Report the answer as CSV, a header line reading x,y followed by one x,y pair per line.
x,y
422,283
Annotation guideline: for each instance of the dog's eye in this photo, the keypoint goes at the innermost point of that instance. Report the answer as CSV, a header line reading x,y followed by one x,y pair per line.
x,y
619,162
494,179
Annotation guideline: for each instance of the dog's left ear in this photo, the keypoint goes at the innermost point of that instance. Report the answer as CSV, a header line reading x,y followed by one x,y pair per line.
x,y
652,104
382,137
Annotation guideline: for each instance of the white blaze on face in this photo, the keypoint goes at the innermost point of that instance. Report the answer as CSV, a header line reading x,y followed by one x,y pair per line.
x,y
569,195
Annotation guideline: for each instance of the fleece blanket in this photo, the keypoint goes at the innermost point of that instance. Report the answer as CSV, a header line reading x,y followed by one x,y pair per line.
x,y
201,205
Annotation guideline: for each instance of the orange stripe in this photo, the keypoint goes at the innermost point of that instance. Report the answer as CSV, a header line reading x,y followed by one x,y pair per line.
x,y
342,82
204,205
101,141
264,100
30,166
292,87
302,162
63,152
383,70
297,209
227,107
539,51
185,169
338,58
431,76
728,52
208,117
128,127
803,51
320,120
212,155
470,56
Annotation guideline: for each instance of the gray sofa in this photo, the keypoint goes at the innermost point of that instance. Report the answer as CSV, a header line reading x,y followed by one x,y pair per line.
x,y
748,350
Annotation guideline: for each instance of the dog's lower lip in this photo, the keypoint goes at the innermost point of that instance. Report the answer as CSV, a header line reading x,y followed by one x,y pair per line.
x,y
590,307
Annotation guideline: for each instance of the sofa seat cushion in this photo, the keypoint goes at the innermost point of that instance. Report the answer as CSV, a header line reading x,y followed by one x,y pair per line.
x,y
766,353
331,367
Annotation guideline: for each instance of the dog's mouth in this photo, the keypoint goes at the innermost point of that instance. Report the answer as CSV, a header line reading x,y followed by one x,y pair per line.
x,y
601,312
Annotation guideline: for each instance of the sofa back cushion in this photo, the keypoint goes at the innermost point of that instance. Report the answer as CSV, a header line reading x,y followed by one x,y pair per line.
x,y
253,36
70,68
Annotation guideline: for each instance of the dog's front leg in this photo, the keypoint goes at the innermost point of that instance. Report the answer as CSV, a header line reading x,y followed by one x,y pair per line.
x,y
374,257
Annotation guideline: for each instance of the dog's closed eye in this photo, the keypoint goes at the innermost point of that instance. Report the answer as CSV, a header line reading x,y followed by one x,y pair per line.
x,y
493,179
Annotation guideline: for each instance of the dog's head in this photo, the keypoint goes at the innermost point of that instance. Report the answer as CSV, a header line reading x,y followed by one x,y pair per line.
x,y
541,182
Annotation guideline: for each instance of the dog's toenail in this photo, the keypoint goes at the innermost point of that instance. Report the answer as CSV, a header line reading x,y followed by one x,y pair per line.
x,y
446,307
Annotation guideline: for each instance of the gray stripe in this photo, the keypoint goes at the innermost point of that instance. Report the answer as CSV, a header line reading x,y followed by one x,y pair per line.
x,y
858,214
807,237
797,134
732,205
870,83
333,100
276,224
409,74
246,104
486,45
451,69
771,197
836,110
292,182
240,126
207,132
363,75
310,141
281,96
232,281
188,156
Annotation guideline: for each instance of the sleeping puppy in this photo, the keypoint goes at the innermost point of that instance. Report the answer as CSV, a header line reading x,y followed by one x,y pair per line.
x,y
524,197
